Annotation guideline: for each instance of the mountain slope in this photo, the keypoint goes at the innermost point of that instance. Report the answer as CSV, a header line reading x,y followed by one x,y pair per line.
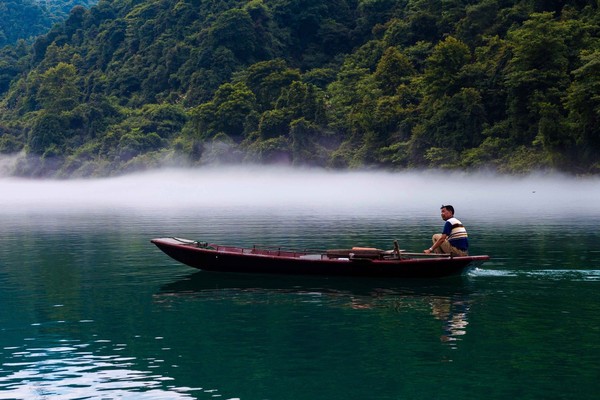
x,y
26,19
346,83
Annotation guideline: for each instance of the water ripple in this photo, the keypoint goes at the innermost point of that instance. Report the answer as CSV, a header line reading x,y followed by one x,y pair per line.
x,y
83,375
574,275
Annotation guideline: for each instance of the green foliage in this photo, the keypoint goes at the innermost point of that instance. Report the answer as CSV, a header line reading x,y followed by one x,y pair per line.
x,y
443,72
441,157
13,61
536,74
166,120
136,142
393,70
308,143
274,123
25,19
226,113
508,85
46,135
234,30
583,106
271,150
57,90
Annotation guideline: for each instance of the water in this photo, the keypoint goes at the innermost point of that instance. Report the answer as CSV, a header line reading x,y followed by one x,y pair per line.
x,y
91,310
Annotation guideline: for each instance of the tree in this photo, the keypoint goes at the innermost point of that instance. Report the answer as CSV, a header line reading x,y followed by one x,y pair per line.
x,y
166,120
443,72
478,21
58,89
583,105
46,135
452,123
274,123
536,74
302,100
267,79
226,113
234,103
393,69
304,137
234,30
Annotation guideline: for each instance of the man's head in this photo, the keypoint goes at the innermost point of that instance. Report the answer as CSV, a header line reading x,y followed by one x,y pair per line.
x,y
447,212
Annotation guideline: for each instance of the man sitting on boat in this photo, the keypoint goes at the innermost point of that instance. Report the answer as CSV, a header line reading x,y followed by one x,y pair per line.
x,y
453,239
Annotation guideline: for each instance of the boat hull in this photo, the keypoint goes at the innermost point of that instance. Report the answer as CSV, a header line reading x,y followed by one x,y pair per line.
x,y
232,259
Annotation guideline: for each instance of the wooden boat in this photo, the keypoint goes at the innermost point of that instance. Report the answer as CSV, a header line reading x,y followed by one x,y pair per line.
x,y
358,261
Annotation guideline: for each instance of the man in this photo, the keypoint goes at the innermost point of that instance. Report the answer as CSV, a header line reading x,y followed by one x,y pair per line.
x,y
453,239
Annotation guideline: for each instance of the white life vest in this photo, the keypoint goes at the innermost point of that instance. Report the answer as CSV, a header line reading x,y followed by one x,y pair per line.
x,y
458,230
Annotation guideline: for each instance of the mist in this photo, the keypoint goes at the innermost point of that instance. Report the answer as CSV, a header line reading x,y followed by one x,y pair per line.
x,y
270,187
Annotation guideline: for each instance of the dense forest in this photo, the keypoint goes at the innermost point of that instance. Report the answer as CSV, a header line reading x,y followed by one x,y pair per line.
x,y
26,19
504,85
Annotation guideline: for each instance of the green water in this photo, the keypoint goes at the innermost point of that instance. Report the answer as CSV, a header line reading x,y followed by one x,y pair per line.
x,y
89,309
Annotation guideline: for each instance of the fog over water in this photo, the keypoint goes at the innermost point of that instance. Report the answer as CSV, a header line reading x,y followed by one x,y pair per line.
x,y
268,187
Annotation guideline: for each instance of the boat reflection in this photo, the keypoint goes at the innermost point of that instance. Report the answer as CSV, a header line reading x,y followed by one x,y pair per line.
x,y
447,300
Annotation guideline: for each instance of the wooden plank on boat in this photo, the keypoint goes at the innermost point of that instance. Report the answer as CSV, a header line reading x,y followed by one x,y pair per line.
x,y
356,252
404,253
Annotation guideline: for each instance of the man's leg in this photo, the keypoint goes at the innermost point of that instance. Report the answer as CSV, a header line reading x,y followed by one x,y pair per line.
x,y
458,252
445,248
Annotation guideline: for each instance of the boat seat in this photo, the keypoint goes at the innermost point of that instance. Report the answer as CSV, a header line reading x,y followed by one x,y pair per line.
x,y
311,257
356,252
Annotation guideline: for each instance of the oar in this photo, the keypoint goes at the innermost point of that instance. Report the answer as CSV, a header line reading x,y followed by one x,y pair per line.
x,y
396,249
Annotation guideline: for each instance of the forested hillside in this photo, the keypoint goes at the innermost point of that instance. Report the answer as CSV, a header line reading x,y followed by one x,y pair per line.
x,y
25,19
506,85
